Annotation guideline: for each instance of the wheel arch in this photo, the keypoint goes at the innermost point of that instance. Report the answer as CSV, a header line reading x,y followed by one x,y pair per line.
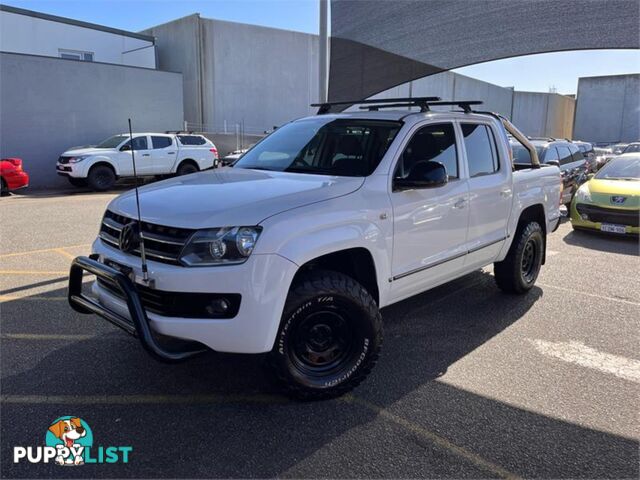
x,y
187,160
103,163
357,263
534,213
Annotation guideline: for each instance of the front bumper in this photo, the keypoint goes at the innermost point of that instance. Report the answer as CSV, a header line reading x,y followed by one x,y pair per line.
x,y
578,222
262,281
70,170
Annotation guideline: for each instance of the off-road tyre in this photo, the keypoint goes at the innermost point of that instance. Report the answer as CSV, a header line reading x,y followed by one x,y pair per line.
x,y
329,310
77,182
186,167
101,178
518,272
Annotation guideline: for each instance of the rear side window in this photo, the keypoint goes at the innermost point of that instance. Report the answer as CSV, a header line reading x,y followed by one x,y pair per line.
x,y
565,155
161,142
435,143
192,140
576,154
480,144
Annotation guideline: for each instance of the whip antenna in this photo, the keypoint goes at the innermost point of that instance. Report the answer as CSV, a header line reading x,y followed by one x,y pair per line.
x,y
145,274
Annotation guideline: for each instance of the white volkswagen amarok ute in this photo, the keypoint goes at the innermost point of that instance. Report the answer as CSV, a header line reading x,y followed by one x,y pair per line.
x,y
295,249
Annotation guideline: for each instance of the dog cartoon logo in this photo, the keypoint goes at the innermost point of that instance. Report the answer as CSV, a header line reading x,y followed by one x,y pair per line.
x,y
70,436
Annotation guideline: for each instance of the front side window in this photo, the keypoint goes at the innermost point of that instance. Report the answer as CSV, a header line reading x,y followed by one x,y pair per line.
x,y
551,154
161,142
576,154
480,144
433,143
633,148
321,146
139,143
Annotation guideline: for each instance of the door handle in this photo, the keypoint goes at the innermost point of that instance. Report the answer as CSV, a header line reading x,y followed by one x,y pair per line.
x,y
145,154
170,153
460,203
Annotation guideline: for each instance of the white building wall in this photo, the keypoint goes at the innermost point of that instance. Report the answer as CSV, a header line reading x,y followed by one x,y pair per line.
x,y
36,36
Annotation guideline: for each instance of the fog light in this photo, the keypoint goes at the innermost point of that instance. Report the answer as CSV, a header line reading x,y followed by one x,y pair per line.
x,y
217,248
584,216
219,305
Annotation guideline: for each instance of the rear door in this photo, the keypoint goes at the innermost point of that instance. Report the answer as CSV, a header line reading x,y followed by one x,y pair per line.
x,y
490,192
163,153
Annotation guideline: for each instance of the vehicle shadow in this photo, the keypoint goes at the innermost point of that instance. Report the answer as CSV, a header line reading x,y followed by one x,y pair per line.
x,y
220,415
603,242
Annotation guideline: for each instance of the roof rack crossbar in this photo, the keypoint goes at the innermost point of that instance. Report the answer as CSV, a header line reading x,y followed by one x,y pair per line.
x,y
465,105
421,102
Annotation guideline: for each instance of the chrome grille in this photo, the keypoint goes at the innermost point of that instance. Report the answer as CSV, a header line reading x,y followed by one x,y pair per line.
x,y
162,244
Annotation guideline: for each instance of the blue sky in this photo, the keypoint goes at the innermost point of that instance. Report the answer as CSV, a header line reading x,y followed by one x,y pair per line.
x,y
531,73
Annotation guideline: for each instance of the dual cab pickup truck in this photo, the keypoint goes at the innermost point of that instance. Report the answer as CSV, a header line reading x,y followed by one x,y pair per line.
x,y
159,154
295,249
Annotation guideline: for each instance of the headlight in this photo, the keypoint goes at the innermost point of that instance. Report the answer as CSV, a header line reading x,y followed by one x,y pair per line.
x,y
220,246
583,194
78,159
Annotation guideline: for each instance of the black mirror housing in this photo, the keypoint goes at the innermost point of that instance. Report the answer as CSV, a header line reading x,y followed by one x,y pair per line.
x,y
426,174
125,148
553,162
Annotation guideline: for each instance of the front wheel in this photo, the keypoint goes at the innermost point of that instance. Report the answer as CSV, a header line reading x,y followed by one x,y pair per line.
x,y
329,338
101,178
518,272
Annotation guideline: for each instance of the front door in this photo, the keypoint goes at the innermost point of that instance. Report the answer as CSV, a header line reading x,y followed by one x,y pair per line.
x,y
144,162
430,224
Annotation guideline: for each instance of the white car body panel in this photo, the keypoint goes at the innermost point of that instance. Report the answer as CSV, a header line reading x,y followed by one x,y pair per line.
x,y
418,239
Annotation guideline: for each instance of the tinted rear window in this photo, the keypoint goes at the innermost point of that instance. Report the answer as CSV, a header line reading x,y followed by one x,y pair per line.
x,y
192,140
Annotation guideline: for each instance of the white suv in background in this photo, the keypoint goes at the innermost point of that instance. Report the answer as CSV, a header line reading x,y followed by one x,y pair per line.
x,y
101,165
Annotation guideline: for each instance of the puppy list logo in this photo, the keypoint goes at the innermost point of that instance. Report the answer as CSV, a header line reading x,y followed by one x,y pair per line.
x,y
69,441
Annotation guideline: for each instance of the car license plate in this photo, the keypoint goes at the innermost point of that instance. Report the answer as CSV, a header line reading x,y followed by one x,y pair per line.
x,y
608,227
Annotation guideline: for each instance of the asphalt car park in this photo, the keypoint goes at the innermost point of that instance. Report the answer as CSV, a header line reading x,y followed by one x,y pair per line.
x,y
471,382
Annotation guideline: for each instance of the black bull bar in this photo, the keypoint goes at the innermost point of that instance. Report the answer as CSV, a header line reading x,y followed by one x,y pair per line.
x,y
138,326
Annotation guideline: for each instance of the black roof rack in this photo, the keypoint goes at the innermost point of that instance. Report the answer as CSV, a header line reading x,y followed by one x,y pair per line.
x,y
178,132
380,103
424,107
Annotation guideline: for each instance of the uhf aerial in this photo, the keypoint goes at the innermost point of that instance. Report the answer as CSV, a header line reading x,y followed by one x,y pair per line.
x,y
145,272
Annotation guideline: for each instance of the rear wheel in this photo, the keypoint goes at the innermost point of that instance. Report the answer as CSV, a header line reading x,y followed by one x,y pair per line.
x,y
186,168
4,189
101,178
77,182
518,272
329,338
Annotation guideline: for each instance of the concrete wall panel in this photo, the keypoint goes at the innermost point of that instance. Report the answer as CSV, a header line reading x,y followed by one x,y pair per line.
x,y
50,104
608,108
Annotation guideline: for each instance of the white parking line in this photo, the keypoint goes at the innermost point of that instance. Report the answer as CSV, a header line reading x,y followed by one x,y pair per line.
x,y
587,294
580,354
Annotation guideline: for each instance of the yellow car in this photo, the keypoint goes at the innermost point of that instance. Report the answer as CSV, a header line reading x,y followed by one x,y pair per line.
x,y
610,200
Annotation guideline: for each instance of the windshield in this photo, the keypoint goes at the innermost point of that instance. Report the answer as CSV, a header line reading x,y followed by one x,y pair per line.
x,y
321,146
621,169
112,142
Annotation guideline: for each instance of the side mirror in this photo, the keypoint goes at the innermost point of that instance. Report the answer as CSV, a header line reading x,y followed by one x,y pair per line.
x,y
553,162
427,174
125,148
590,176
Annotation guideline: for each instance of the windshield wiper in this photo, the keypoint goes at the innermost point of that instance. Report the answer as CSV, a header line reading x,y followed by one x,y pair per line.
x,y
312,170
